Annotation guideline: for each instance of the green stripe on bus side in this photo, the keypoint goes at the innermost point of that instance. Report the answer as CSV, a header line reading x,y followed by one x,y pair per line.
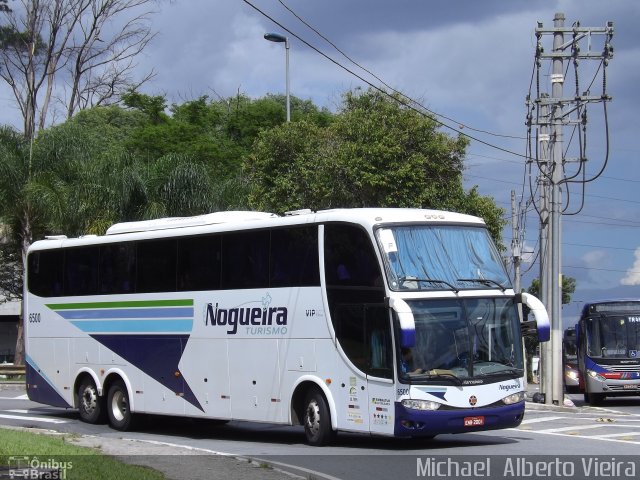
x,y
134,303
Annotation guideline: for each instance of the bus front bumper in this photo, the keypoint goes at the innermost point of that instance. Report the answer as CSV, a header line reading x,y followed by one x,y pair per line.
x,y
419,423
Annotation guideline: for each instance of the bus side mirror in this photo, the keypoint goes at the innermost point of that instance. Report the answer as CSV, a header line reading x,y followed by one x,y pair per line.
x,y
542,326
407,322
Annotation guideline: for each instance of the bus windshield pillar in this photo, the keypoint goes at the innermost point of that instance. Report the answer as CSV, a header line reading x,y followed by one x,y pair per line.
x,y
407,322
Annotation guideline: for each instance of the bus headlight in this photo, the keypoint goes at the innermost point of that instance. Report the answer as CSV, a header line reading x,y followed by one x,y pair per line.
x,y
420,404
513,398
596,375
572,374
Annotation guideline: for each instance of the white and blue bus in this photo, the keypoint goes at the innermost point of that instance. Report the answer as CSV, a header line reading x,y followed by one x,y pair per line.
x,y
397,322
608,343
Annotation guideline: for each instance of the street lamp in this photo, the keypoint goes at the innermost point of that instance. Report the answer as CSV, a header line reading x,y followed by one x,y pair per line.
x,y
276,37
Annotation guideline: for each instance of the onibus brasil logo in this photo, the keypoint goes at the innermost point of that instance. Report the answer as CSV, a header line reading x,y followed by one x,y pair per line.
x,y
259,319
41,468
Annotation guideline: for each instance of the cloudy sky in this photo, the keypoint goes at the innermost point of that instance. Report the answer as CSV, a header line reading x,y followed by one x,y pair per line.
x,y
468,60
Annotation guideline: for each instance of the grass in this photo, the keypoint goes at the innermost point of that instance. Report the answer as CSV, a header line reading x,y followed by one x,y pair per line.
x,y
80,462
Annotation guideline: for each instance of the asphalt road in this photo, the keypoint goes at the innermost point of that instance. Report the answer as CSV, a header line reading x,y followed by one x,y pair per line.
x,y
184,448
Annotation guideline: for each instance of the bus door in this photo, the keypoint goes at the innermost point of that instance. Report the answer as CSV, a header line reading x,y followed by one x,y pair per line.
x,y
380,384
362,326
366,395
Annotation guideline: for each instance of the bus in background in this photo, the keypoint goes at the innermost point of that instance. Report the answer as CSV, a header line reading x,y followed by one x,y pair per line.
x,y
608,341
570,360
396,322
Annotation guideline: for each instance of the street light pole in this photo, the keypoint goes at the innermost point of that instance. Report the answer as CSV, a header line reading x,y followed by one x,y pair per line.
x,y
276,37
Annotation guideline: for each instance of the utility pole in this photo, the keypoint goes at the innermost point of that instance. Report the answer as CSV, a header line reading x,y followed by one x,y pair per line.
x,y
557,84
516,254
515,246
545,167
551,120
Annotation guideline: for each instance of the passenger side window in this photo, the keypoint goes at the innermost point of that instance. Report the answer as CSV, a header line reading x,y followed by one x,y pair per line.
x,y
199,263
294,257
45,276
81,271
117,268
349,257
245,260
156,271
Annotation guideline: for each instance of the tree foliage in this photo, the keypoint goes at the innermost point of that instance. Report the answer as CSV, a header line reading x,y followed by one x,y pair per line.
x,y
374,153
10,272
568,288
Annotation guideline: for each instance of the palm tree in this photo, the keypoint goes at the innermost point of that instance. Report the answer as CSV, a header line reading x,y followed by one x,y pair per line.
x,y
21,218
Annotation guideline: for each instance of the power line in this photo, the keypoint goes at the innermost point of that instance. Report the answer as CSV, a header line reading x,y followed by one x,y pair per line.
x,y
592,246
461,124
616,199
382,91
598,269
602,223
599,246
601,269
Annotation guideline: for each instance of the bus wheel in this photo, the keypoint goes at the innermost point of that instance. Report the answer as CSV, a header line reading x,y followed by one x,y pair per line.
x,y
120,416
317,420
90,404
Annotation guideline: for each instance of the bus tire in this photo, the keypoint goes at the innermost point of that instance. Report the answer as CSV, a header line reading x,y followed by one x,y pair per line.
x,y
317,419
118,407
91,406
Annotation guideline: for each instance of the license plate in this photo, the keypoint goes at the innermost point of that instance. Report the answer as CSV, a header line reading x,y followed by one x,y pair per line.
x,y
630,387
473,421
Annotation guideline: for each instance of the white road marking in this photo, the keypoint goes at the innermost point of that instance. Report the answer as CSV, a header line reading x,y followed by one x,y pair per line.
x,y
572,428
35,419
314,473
613,435
21,397
538,420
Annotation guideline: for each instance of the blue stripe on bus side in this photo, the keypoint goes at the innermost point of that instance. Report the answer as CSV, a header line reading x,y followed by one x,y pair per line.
x,y
126,313
139,326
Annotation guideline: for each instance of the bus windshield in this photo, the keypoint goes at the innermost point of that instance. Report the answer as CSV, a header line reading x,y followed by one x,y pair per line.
x,y
463,338
613,336
569,347
441,257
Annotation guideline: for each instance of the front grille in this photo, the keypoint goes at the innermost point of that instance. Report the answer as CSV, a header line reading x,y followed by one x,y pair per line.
x,y
620,388
622,368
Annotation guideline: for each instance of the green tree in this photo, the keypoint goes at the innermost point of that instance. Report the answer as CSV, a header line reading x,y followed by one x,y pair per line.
x,y
531,343
568,288
22,220
220,133
374,153
87,192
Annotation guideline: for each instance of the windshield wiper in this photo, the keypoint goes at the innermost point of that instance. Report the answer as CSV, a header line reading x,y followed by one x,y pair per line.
x,y
403,279
483,281
442,376
506,371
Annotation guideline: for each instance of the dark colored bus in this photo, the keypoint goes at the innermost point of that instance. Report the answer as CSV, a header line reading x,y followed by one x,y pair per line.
x,y
608,342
